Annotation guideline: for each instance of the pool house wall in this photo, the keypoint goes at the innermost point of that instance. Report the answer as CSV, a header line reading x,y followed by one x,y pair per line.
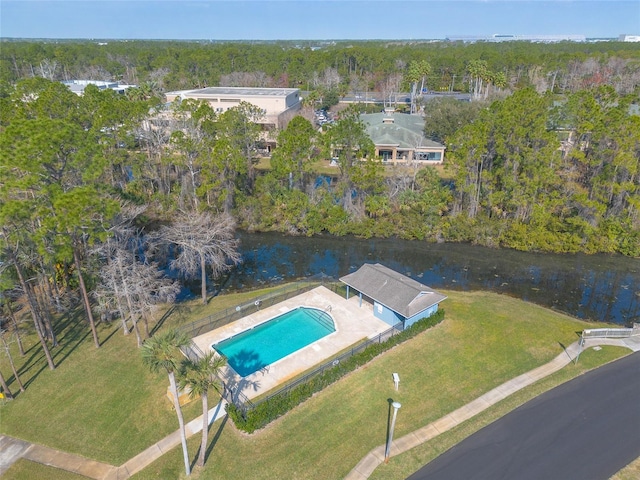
x,y
419,316
380,311
390,316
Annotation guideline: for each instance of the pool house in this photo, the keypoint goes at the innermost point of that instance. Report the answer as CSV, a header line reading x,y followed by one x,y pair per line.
x,y
396,298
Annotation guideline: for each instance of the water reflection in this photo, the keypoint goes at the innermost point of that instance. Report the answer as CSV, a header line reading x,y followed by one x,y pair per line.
x,y
595,287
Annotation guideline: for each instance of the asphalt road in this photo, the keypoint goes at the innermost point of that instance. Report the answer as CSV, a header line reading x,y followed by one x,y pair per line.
x,y
586,429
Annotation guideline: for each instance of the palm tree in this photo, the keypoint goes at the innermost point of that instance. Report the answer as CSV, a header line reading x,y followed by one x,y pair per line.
x,y
199,376
162,352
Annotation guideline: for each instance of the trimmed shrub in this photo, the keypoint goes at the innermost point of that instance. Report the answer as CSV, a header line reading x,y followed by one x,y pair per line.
x,y
276,406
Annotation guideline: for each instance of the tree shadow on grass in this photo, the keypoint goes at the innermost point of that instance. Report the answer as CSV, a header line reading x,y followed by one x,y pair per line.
x,y
70,331
163,319
215,438
38,361
388,432
114,330
213,441
74,332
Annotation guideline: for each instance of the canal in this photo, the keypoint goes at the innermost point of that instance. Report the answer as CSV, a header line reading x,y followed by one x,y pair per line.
x,y
591,287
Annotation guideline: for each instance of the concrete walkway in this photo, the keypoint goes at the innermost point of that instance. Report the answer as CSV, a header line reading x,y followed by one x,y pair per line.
x,y
400,445
12,449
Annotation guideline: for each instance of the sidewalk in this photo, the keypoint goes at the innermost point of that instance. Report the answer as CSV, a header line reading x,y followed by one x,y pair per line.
x,y
156,450
12,449
375,457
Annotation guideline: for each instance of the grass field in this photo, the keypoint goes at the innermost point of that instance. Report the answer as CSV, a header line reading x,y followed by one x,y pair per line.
x,y
103,404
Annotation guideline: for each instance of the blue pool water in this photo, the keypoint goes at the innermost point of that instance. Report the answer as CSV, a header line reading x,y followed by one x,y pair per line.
x,y
267,343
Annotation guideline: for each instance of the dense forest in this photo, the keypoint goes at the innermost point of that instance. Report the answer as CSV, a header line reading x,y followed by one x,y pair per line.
x,y
99,190
353,66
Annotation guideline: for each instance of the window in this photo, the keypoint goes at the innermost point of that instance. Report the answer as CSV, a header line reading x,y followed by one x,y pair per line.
x,y
230,100
429,156
386,155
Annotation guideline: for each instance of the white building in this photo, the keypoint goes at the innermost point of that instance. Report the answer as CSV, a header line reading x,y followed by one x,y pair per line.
x,y
498,37
78,86
629,38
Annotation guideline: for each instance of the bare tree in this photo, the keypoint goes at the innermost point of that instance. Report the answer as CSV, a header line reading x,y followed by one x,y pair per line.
x,y
47,69
129,284
390,89
330,78
136,287
202,240
246,79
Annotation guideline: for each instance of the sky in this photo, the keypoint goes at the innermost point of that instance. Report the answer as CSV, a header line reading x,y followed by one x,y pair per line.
x,y
314,19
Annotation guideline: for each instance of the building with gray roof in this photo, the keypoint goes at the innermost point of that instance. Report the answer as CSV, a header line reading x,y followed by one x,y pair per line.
x,y
396,298
78,86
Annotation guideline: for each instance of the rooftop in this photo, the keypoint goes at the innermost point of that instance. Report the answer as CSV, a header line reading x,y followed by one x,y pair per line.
x,y
398,292
239,91
401,129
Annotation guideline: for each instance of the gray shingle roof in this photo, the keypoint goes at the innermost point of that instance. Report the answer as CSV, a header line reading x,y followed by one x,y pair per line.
x,y
398,292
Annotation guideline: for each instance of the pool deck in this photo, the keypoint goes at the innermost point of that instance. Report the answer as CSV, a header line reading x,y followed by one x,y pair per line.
x,y
353,323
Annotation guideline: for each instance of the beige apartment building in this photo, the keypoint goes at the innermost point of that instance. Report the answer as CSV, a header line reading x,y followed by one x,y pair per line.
x,y
279,105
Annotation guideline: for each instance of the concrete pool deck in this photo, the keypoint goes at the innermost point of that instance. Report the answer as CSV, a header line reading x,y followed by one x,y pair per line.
x,y
352,321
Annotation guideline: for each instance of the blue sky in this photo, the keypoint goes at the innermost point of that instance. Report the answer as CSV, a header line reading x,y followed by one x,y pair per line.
x,y
314,19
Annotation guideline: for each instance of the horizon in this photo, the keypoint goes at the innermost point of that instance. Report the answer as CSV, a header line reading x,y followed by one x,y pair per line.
x,y
468,38
313,20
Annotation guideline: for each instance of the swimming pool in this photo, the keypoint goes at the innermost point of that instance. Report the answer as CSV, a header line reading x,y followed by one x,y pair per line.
x,y
274,339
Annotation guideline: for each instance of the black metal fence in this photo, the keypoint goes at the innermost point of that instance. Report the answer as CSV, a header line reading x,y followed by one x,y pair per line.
x,y
230,315
236,397
245,405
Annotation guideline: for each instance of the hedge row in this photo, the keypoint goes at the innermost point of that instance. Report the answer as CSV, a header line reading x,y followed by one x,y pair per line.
x,y
278,405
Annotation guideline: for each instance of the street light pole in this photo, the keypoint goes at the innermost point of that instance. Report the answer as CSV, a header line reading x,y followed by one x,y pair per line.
x,y
396,406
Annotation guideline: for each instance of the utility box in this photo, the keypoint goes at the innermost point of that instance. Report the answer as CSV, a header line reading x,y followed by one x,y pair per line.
x,y
183,396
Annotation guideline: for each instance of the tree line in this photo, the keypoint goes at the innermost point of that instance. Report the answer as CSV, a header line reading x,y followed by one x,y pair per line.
x,y
562,67
100,192
71,231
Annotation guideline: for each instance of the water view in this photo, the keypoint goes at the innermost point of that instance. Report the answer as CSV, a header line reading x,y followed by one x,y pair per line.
x,y
591,287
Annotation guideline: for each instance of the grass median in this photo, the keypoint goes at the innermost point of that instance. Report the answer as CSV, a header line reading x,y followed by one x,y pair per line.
x,y
103,404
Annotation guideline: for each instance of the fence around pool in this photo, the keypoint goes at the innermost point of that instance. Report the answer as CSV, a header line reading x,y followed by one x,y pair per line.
x,y
230,315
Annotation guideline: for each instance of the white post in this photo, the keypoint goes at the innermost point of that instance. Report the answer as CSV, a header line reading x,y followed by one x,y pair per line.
x,y
580,345
396,406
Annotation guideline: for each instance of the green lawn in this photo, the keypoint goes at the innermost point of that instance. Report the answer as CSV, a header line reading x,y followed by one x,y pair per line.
x,y
99,403
103,404
402,466
484,340
27,470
